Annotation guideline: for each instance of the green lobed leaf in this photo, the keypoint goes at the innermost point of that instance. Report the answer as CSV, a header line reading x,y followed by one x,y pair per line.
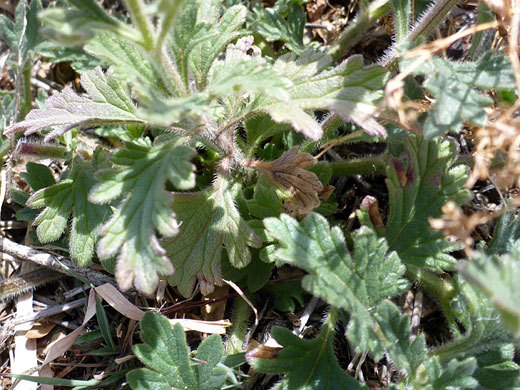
x,y
265,203
241,73
350,90
22,35
73,27
166,354
210,221
59,200
419,183
395,333
191,28
506,233
106,103
453,84
497,277
357,284
226,29
38,176
146,206
271,25
80,61
309,364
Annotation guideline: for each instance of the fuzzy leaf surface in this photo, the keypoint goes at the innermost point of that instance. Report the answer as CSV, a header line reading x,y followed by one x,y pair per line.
x,y
453,84
22,35
350,89
419,183
273,27
128,61
59,200
106,103
166,355
225,29
210,221
357,284
75,26
309,364
497,277
395,333
146,206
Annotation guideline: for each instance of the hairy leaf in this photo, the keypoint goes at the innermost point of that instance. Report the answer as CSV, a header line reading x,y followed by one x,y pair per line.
x,y
59,200
210,221
106,103
22,35
419,183
226,29
80,61
273,27
73,27
497,277
453,86
505,235
146,206
356,284
167,356
350,89
127,58
309,364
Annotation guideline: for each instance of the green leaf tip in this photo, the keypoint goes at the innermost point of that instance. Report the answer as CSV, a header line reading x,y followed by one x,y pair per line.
x,y
210,222
357,284
146,206
167,357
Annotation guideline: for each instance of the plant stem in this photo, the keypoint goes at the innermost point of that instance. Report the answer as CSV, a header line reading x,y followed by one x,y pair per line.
x,y
26,95
136,9
353,33
361,166
169,14
423,27
237,335
443,289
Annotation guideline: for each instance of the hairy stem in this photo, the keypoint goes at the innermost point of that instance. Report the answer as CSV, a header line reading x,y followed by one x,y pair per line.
x,y
16,285
237,334
41,151
423,27
443,289
168,17
360,166
354,31
136,9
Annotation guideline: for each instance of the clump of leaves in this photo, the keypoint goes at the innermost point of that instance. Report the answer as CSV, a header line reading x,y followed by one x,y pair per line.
x,y
169,77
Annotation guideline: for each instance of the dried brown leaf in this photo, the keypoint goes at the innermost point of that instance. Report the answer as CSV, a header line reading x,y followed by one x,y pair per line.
x,y
290,173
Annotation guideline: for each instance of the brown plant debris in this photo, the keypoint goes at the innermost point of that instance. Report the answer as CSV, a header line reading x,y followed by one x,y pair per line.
x,y
454,223
289,172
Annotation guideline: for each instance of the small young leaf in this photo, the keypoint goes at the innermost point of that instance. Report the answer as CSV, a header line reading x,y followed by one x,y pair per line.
x,y
358,285
145,206
166,354
107,103
210,221
286,294
309,364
